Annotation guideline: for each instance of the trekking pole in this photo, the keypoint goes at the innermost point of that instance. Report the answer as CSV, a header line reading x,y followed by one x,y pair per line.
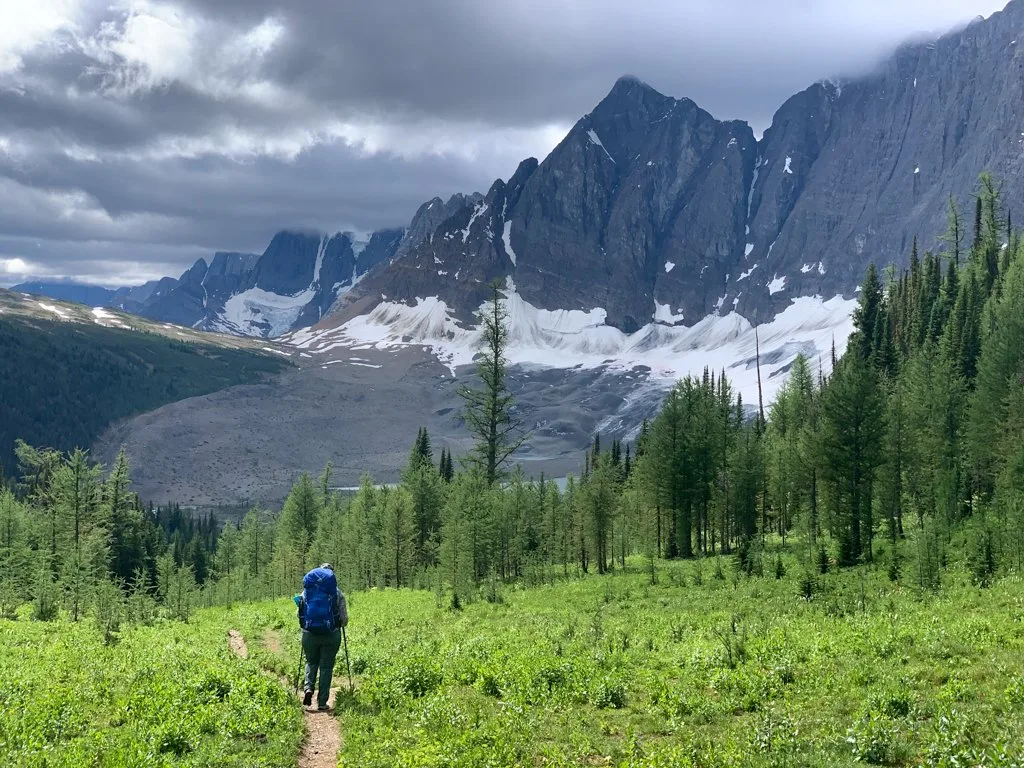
x,y
298,675
348,664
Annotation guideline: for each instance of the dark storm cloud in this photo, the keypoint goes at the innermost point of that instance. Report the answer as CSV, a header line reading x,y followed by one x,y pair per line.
x,y
140,134
532,60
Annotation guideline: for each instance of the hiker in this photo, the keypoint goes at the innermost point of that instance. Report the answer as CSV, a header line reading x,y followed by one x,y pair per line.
x,y
322,615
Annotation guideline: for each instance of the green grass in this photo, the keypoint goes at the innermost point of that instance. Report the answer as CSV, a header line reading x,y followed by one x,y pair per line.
x,y
735,671
595,671
167,695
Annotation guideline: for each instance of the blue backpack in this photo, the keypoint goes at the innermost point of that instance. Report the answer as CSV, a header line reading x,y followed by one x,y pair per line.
x,y
321,589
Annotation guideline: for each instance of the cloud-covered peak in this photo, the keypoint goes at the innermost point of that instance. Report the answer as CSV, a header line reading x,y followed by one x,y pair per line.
x,y
140,133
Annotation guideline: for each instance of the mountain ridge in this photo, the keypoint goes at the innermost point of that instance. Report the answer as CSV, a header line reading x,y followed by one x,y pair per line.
x,y
654,211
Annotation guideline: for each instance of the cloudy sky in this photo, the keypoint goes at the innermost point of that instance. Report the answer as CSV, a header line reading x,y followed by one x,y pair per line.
x,y
138,135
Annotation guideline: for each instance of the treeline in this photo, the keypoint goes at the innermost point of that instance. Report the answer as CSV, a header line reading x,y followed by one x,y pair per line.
x,y
69,531
918,429
919,426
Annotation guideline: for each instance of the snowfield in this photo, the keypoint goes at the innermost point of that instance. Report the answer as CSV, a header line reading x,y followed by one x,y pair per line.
x,y
257,312
580,339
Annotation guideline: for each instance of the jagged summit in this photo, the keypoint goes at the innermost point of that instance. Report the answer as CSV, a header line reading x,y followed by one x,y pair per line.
x,y
652,211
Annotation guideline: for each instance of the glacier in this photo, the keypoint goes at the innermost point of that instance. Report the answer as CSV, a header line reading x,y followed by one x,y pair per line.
x,y
573,338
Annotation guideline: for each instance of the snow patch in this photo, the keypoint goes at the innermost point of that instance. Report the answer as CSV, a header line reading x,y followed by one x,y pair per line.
x,y
669,266
506,237
663,314
103,317
746,274
753,184
319,259
917,170
257,312
569,338
806,268
821,268
789,166
748,250
477,212
595,139
62,314
776,285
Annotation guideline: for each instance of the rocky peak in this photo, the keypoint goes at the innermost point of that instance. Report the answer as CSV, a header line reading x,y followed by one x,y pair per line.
x,y
231,263
194,275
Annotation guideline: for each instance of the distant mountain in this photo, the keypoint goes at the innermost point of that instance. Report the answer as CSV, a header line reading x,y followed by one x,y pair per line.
x,y
79,293
654,241
651,214
290,285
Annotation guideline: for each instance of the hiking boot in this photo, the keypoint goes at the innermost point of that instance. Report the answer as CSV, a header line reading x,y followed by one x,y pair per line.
x,y
307,698
322,708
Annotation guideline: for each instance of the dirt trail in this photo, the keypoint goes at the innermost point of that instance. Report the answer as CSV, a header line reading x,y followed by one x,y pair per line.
x,y
272,640
323,738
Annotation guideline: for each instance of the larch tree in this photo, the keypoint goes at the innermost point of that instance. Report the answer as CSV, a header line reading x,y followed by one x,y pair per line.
x,y
489,410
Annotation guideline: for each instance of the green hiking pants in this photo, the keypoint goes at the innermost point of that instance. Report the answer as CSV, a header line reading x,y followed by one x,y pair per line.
x,y
320,648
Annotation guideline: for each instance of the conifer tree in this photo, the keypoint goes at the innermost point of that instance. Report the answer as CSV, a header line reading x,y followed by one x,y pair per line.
x,y
296,529
398,531
255,548
325,484
83,539
893,467
999,369
852,431
426,496
126,542
866,316
463,541
954,234
15,552
489,409
599,499
361,563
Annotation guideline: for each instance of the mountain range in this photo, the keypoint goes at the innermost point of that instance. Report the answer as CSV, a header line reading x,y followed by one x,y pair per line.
x,y
653,211
654,241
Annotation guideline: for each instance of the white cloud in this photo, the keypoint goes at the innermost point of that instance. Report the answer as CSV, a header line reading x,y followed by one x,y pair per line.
x,y
468,141
28,24
17,266
151,45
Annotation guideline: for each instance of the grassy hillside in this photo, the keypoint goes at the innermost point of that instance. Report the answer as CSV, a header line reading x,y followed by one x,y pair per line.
x,y
65,376
706,667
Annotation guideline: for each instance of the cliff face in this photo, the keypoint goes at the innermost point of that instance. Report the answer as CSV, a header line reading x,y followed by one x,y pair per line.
x,y
656,212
